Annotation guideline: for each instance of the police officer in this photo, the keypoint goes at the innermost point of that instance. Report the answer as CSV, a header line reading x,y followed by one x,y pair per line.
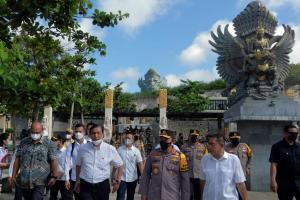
x,y
194,151
243,151
165,174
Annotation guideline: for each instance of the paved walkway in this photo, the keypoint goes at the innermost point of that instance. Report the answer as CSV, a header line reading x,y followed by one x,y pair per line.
x,y
252,196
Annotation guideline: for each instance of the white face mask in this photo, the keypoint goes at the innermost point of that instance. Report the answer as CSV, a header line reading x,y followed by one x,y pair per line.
x,y
69,136
97,142
45,133
128,141
78,136
35,136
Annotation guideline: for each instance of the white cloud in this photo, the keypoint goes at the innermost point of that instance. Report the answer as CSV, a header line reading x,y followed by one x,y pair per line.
x,y
122,74
125,87
86,25
197,52
194,75
141,12
294,56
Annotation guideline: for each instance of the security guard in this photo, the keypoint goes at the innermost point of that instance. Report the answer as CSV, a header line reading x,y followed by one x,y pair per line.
x,y
243,151
194,151
165,174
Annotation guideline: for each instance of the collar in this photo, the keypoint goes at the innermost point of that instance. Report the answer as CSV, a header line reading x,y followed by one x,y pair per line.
x,y
77,143
224,156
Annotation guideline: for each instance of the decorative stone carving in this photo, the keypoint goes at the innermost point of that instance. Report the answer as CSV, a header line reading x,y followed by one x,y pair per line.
x,y
152,81
254,62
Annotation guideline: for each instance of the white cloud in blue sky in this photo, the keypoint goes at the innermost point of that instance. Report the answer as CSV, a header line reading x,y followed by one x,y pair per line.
x,y
123,74
172,37
142,12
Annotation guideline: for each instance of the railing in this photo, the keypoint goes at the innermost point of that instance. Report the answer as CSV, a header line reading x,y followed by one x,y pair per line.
x,y
218,104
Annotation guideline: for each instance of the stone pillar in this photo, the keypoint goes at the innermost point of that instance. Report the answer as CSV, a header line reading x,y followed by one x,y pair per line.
x,y
108,126
47,120
163,121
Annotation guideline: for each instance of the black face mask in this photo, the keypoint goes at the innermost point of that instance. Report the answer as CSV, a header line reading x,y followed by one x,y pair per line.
x,y
164,145
235,141
136,138
194,139
292,137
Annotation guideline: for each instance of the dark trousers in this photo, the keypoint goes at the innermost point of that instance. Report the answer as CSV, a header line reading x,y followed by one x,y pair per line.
x,y
76,195
195,188
34,194
60,186
18,193
96,191
287,193
130,186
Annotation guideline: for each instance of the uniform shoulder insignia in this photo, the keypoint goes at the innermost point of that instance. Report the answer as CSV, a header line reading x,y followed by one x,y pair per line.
x,y
183,165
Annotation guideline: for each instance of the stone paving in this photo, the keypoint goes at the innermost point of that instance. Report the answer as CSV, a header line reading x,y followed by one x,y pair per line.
x,y
252,196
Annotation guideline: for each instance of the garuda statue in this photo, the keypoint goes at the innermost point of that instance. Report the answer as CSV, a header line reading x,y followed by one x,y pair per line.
x,y
254,62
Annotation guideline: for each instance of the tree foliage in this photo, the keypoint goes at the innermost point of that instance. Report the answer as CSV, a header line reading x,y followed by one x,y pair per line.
x,y
187,97
294,76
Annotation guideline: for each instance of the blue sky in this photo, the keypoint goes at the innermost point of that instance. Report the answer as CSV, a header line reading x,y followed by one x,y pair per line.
x,y
171,36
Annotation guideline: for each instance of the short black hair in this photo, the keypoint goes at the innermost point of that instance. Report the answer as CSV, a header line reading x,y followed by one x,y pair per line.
x,y
79,125
287,127
96,126
220,138
3,137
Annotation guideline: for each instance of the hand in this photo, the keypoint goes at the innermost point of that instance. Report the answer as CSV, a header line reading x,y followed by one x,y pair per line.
x,y
248,172
51,182
10,182
274,186
67,185
116,185
77,187
13,182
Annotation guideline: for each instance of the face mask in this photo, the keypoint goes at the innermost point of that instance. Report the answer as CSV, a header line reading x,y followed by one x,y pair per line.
x,y
164,145
194,139
136,138
78,136
235,141
35,136
97,142
292,137
128,142
69,137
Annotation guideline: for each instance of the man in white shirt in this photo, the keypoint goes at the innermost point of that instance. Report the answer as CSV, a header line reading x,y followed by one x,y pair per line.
x,y
93,166
59,185
71,158
132,158
221,173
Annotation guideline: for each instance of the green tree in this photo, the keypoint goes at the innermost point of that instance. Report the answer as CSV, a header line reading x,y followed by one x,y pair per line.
x,y
123,102
187,97
294,76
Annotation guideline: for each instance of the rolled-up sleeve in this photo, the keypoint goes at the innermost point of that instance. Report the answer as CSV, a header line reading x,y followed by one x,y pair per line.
x,y
116,160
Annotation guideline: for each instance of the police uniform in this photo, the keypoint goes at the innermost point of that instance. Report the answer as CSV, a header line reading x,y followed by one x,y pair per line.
x,y
165,175
194,153
243,151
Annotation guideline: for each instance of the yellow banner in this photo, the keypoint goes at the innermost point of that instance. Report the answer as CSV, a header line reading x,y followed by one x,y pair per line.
x,y
163,96
109,97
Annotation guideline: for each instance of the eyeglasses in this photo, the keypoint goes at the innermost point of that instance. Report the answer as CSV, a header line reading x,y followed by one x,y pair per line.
x,y
35,132
293,133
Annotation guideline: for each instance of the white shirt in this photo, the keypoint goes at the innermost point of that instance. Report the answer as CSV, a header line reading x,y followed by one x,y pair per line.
x,y
3,158
71,162
96,162
221,176
61,162
131,157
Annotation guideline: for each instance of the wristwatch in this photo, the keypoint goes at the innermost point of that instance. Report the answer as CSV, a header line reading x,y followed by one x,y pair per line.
x,y
55,177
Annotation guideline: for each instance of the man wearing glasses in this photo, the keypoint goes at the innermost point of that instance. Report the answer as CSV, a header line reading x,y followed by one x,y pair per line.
x,y
285,162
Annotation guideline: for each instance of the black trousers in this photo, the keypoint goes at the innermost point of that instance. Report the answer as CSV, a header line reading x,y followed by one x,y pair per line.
x,y
76,195
96,191
60,186
34,194
288,193
130,187
195,188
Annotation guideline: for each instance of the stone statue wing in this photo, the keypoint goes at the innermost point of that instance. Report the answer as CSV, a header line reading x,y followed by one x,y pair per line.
x,y
281,50
231,57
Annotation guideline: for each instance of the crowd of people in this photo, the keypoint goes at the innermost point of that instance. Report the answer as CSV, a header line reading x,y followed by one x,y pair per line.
x,y
79,164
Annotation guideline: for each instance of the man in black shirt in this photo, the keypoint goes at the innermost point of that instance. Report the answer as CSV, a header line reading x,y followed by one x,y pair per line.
x,y
285,162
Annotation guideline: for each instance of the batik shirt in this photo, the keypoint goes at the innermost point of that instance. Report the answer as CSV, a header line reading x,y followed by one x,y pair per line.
x,y
35,162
